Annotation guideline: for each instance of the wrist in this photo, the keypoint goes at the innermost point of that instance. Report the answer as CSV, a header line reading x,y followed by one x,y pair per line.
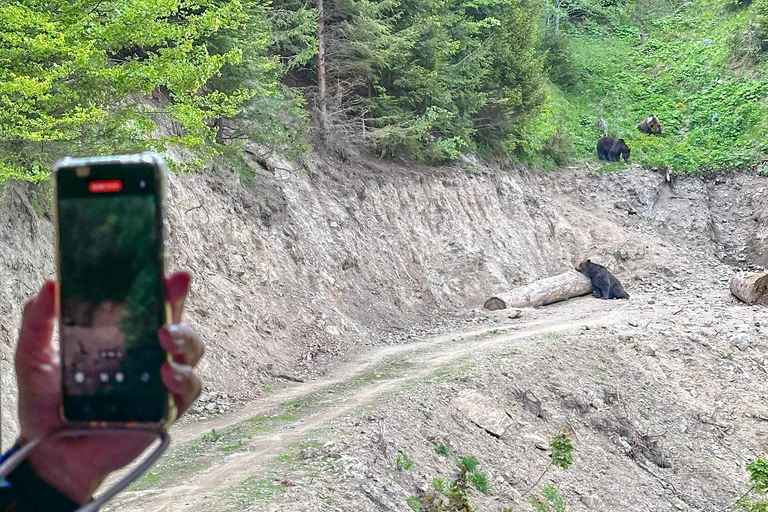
x,y
28,491
76,484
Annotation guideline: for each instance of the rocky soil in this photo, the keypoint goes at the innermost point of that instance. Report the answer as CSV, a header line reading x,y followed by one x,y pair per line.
x,y
364,282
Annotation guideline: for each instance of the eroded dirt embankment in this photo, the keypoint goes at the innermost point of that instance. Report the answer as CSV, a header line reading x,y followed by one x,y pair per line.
x,y
314,261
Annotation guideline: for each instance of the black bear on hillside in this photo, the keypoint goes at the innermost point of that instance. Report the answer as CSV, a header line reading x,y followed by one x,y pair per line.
x,y
612,149
650,125
604,284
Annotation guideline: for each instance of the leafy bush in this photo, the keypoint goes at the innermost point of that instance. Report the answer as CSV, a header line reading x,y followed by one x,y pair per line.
x,y
562,451
558,63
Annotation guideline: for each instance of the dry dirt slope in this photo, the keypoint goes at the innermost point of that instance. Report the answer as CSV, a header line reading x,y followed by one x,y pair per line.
x,y
664,411
315,262
663,395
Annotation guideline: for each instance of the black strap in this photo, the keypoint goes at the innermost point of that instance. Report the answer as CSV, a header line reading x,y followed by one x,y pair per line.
x,y
34,495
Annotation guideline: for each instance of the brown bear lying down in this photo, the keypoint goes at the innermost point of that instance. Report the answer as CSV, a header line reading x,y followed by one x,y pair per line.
x,y
650,125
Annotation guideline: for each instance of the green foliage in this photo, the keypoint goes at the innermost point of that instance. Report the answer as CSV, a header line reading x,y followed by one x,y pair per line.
x,y
758,474
427,80
93,76
550,500
414,503
562,451
212,436
442,449
455,496
468,463
480,481
439,485
403,462
698,67
758,478
430,79
558,61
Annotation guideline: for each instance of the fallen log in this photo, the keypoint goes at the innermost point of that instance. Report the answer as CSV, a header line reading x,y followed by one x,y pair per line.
x,y
494,304
751,287
545,291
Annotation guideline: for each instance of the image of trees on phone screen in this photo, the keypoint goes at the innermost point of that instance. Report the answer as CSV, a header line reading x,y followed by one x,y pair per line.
x,y
111,301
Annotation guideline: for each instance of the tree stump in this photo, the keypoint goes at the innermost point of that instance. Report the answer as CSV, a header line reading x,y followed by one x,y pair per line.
x,y
751,287
545,291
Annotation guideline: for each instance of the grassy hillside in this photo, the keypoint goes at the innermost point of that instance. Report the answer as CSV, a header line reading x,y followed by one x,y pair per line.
x,y
698,66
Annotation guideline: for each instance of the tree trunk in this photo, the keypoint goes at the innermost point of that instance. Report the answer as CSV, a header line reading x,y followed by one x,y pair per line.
x,y
751,287
547,291
321,104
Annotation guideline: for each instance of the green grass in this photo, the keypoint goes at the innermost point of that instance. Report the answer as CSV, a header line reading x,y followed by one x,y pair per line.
x,y
283,417
683,64
258,489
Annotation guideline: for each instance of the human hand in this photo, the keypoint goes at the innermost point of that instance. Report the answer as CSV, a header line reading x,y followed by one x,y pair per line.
x,y
77,466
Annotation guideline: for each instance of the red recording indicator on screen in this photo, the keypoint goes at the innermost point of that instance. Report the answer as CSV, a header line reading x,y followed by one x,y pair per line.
x,y
98,187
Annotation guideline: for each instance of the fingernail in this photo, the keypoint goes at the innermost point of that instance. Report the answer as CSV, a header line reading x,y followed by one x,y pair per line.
x,y
176,334
178,374
46,299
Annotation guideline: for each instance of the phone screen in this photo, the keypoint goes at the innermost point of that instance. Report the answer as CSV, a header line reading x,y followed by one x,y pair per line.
x,y
112,302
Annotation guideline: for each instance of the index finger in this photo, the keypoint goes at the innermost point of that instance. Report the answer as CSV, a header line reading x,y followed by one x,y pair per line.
x,y
176,290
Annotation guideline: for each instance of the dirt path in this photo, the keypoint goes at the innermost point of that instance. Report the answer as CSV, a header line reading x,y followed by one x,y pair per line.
x,y
422,358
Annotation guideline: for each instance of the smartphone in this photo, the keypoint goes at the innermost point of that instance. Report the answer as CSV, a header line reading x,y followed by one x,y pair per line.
x,y
110,259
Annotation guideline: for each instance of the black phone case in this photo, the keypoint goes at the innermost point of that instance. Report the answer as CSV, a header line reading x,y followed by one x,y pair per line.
x,y
72,412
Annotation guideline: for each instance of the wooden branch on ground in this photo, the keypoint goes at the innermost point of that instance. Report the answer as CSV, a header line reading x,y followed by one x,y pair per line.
x,y
543,292
751,287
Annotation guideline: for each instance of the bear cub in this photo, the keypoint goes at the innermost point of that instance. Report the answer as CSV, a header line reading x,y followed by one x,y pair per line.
x,y
650,125
604,284
612,149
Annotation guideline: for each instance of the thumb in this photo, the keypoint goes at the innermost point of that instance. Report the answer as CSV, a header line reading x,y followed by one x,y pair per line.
x,y
37,325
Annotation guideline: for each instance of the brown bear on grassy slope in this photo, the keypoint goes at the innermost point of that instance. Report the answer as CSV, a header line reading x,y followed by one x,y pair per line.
x,y
650,125
612,149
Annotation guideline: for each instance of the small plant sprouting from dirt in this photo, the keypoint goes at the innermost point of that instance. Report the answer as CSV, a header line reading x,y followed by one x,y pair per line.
x,y
758,470
550,500
480,481
442,449
469,463
212,436
455,496
562,456
403,462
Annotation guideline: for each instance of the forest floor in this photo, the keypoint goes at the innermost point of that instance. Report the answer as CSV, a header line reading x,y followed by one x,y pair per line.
x,y
663,397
